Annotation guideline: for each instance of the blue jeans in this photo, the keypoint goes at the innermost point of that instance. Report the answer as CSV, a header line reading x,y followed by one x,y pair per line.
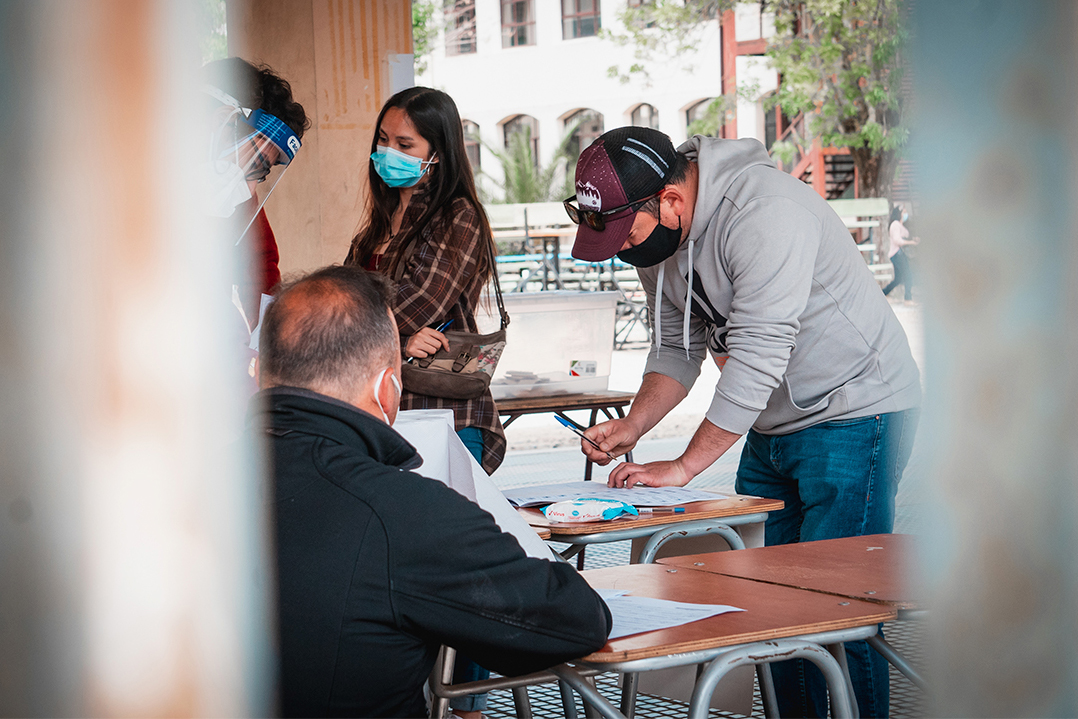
x,y
465,670
837,479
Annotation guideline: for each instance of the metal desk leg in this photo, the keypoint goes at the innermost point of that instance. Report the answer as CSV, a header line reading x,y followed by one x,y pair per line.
x,y
621,415
689,529
587,692
778,650
838,651
898,661
629,683
568,701
443,673
522,703
587,462
767,691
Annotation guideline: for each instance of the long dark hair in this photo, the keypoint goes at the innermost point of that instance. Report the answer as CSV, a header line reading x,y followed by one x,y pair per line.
x,y
435,116
896,214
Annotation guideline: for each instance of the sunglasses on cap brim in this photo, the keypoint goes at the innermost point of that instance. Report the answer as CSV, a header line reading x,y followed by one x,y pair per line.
x,y
595,218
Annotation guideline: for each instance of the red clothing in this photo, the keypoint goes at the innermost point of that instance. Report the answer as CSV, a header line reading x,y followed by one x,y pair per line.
x,y
258,271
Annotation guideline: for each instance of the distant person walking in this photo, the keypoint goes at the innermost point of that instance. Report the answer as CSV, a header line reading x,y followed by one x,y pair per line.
x,y
899,239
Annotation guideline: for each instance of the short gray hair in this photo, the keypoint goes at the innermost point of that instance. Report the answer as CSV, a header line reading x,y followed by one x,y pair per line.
x,y
331,328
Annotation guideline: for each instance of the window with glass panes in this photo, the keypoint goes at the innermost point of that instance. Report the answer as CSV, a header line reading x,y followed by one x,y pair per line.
x,y
697,112
471,142
459,27
588,126
579,18
645,115
527,125
518,23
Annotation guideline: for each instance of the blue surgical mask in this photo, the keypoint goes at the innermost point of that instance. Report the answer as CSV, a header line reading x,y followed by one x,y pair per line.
x,y
398,169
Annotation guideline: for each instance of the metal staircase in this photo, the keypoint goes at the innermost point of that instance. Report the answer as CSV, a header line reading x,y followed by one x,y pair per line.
x,y
830,170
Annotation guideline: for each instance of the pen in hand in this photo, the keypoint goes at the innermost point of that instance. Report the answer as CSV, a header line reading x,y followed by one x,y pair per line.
x,y
576,430
441,328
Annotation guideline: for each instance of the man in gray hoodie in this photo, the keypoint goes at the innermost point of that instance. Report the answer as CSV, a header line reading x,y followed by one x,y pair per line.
x,y
815,367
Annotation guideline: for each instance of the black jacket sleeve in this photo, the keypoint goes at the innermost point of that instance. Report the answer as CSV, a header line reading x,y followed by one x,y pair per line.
x,y
457,577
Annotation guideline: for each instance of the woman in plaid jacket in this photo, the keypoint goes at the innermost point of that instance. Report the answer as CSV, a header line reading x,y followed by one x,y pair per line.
x,y
421,185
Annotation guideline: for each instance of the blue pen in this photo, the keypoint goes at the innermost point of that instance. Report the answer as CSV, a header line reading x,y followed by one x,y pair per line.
x,y
441,328
575,430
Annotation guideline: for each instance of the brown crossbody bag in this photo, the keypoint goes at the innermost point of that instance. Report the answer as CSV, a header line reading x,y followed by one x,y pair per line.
x,y
464,370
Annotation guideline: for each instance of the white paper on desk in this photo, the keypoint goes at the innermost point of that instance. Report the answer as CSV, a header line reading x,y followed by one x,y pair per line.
x,y
640,496
446,459
611,593
633,615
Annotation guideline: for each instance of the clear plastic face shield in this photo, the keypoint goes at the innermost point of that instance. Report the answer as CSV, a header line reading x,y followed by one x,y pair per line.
x,y
249,153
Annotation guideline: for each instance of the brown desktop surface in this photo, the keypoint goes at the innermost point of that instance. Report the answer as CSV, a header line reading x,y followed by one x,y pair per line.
x,y
563,402
874,567
772,611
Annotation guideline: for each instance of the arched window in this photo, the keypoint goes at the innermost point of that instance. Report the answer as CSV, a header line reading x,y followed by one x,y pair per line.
x,y
645,115
471,142
586,126
527,125
698,112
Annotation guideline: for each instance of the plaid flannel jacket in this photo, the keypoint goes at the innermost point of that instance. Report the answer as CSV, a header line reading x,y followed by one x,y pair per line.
x,y
437,286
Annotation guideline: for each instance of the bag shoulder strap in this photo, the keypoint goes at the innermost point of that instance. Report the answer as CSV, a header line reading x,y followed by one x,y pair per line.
x,y
497,284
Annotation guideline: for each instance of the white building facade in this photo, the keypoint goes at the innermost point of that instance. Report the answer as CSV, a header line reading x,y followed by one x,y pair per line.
x,y
543,64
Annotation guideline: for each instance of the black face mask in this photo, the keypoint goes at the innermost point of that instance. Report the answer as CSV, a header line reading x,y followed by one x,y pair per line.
x,y
659,245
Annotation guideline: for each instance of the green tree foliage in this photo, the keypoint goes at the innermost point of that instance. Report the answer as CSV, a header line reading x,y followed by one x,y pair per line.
x,y
212,38
525,180
661,30
424,31
841,63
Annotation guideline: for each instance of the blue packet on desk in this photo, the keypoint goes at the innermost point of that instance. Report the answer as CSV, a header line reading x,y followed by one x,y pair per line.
x,y
588,509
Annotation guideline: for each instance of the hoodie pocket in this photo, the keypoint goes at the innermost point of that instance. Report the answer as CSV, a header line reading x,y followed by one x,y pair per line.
x,y
834,402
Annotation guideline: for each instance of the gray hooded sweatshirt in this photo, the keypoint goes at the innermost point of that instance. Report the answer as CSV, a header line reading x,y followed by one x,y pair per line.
x,y
782,296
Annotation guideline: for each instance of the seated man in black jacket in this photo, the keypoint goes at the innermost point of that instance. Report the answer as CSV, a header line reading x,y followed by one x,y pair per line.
x,y
377,565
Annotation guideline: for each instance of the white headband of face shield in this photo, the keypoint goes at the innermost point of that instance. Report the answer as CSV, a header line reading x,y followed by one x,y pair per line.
x,y
377,384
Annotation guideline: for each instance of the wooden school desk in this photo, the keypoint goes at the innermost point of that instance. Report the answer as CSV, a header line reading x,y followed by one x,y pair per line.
x,y
778,623
717,516
606,402
873,568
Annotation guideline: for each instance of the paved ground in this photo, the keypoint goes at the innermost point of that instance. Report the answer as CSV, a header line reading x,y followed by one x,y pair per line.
x,y
541,452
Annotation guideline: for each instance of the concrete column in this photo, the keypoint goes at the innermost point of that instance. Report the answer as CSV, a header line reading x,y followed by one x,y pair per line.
x,y
996,85
133,574
336,54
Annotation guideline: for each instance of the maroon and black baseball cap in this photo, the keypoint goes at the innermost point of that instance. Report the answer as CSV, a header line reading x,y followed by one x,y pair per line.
x,y
621,167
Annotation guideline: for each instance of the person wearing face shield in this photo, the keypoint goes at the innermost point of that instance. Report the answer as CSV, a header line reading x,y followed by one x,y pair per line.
x,y
748,265
377,566
254,130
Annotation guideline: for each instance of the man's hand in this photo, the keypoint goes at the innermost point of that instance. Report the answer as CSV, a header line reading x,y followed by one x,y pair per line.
x,y
616,436
652,474
425,342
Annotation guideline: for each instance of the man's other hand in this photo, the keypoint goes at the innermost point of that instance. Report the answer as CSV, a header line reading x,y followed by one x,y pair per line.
x,y
653,474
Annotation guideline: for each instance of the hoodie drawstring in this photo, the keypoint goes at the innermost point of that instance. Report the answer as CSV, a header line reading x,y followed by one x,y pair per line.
x,y
688,309
659,310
